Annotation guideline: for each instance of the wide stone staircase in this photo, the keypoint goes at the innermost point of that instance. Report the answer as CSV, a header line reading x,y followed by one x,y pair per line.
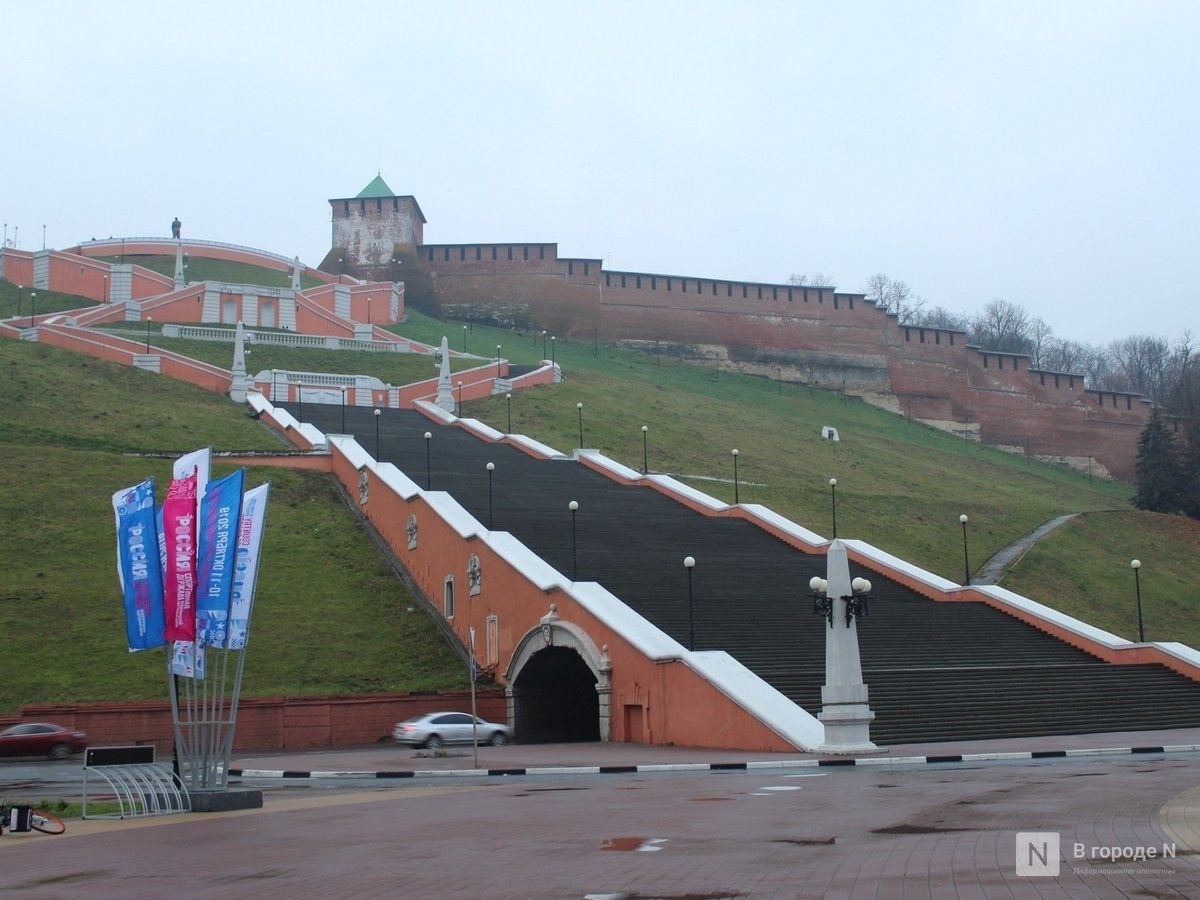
x,y
935,670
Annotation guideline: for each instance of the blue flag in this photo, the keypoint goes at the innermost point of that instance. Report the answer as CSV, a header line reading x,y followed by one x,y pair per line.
x,y
220,513
139,569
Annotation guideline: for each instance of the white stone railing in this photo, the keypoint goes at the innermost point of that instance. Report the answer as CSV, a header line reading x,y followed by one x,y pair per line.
x,y
284,339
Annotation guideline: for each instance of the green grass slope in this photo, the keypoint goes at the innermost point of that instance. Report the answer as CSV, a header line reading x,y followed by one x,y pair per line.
x,y
329,615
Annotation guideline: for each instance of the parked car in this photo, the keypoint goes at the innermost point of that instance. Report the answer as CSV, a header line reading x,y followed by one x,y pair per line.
x,y
41,739
440,728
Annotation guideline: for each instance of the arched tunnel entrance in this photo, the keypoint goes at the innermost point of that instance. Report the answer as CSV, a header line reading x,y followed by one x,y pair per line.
x,y
554,699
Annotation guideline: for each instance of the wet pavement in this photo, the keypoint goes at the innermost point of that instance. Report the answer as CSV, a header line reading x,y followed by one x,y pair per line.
x,y
624,820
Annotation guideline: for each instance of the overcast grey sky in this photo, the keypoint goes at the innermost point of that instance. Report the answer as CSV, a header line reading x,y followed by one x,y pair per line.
x,y
1045,153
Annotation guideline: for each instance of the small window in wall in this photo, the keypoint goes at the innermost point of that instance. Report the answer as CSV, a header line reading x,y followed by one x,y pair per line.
x,y
835,306
1056,382
1042,378
462,254
668,284
714,287
493,254
395,204
478,254
446,254
820,295
952,339
729,290
379,204
745,292
1000,363
907,335
1071,382
448,597
346,208
541,252
851,301
570,268
639,281
586,266
1129,402
937,337
623,282
760,292
510,252
362,207
985,361
790,298
683,285
775,293
654,282
921,333
804,294
431,254
608,279
525,252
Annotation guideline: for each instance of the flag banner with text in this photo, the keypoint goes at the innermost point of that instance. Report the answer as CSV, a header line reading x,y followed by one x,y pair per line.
x,y
220,515
187,659
179,561
138,568
245,576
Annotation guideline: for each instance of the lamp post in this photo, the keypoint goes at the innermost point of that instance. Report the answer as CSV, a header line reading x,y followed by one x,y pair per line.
x,y
1136,565
149,322
378,413
105,288
573,506
20,288
736,498
508,400
689,563
428,461
833,503
368,309
645,449
343,391
458,387
464,339
497,360
579,409
966,559
33,309
491,467
553,354
543,343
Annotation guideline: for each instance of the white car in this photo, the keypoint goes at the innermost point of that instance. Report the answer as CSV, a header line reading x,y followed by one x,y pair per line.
x,y
437,729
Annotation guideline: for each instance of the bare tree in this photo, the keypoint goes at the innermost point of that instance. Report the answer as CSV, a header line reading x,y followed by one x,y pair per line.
x,y
812,279
1002,326
1041,337
940,317
1141,361
1064,356
895,297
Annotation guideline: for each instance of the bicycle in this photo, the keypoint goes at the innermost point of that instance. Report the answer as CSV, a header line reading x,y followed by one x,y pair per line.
x,y
25,818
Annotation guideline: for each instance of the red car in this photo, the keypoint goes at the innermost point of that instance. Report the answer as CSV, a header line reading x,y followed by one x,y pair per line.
x,y
41,739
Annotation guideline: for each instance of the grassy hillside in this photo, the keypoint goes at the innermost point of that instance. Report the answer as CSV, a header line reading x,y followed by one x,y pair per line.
x,y
68,425
329,616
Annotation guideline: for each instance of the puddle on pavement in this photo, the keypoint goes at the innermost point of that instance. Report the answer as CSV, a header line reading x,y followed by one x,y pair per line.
x,y
635,844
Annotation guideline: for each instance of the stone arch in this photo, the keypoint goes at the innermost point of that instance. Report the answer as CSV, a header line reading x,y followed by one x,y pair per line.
x,y
558,685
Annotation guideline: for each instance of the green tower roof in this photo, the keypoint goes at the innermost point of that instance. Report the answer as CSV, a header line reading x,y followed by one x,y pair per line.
x,y
377,188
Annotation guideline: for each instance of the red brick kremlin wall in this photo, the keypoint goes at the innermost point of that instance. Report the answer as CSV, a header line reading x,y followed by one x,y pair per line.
x,y
814,335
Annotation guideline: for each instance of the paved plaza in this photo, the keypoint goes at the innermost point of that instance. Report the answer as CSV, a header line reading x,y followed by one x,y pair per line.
x,y
683,824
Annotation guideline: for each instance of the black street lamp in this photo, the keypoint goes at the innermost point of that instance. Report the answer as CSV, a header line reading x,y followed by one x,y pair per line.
x,y
736,499
149,322
553,356
1136,565
508,400
543,343
20,288
428,461
343,390
33,310
464,339
579,409
458,410
497,360
645,449
966,559
689,563
833,503
491,468
105,288
573,506
378,413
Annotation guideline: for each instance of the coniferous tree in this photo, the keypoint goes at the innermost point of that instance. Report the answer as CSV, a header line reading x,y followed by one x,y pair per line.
x,y
1190,464
1159,474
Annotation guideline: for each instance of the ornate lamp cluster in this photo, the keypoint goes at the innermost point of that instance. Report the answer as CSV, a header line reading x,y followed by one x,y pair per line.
x,y
856,602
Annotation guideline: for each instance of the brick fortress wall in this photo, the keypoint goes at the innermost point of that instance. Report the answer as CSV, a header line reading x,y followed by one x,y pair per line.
x,y
814,335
